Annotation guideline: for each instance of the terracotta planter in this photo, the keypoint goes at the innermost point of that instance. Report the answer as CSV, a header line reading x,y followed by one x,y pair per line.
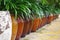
x,y
50,18
57,16
44,21
20,28
39,26
26,28
14,27
35,24
54,16
30,25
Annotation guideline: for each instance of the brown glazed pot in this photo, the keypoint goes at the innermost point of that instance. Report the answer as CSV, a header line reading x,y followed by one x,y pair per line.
x,y
30,25
20,28
35,24
26,28
14,28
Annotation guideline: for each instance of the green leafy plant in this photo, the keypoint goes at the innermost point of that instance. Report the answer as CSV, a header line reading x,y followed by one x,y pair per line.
x,y
28,7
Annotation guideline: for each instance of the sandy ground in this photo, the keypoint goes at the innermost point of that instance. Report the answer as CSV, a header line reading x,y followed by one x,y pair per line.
x,y
48,32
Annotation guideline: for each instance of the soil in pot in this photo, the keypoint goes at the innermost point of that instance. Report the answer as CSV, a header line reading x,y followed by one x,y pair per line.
x,y
20,28
26,28
35,24
14,28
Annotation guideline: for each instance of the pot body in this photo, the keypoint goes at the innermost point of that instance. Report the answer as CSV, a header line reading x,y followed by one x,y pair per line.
x,y
50,18
30,25
35,24
40,21
55,16
26,28
44,21
5,25
20,28
14,27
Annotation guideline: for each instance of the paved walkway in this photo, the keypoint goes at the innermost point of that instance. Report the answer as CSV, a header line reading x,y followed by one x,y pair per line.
x,y
48,32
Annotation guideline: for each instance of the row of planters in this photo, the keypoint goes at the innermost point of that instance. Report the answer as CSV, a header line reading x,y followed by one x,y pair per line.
x,y
28,15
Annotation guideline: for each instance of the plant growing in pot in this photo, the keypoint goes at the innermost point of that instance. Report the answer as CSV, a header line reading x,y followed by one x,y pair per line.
x,y
52,14
50,18
25,12
35,14
52,6
20,22
44,5
32,7
22,25
40,17
57,13
30,25
48,6
28,4
49,13
46,13
43,20
14,27
56,8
